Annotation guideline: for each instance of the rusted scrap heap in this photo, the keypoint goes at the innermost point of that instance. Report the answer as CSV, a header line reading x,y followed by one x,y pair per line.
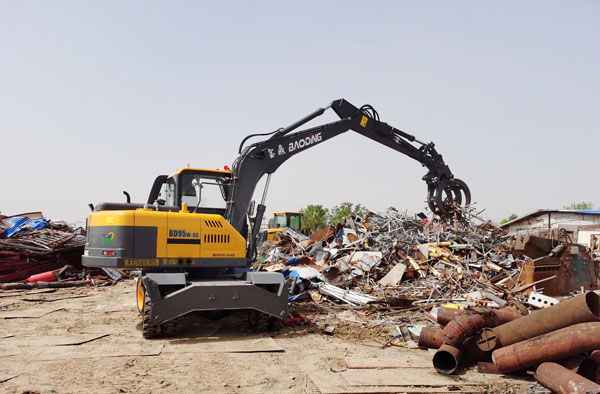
x,y
561,341
30,244
394,255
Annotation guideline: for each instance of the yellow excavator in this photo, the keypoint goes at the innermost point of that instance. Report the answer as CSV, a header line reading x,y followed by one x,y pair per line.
x,y
195,237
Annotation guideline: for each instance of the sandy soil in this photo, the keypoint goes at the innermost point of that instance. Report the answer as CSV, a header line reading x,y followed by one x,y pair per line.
x,y
41,352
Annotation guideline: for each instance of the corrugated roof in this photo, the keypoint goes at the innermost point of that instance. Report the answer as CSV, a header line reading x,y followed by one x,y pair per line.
x,y
544,211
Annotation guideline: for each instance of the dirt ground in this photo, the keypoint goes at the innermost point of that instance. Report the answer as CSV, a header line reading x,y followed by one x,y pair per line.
x,y
89,340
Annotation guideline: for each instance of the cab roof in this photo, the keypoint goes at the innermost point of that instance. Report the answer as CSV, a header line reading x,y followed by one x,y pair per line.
x,y
287,212
223,172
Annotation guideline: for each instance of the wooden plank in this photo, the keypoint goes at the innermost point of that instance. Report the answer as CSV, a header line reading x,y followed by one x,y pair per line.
x,y
401,361
394,276
398,377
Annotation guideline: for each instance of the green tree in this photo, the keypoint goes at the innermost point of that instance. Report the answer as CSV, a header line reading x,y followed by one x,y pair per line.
x,y
339,213
314,217
509,219
579,205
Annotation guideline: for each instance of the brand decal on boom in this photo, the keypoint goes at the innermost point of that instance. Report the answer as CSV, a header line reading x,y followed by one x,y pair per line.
x,y
304,142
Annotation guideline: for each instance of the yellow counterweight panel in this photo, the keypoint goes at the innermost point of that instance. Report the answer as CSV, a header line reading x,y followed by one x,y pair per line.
x,y
112,218
273,233
183,237
219,238
152,218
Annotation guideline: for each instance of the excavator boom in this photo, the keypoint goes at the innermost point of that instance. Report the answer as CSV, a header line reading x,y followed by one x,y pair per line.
x,y
444,192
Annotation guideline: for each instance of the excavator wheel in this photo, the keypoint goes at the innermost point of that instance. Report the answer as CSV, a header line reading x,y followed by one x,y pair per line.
x,y
140,295
149,330
169,329
257,321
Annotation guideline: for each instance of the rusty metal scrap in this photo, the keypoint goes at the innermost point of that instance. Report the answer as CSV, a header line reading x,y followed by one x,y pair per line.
x,y
447,359
563,381
590,367
556,345
569,265
465,324
426,261
580,309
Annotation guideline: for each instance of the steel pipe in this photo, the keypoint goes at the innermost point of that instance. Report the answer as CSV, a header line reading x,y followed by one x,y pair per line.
x,y
580,309
466,324
447,359
590,367
563,381
431,338
556,345
445,315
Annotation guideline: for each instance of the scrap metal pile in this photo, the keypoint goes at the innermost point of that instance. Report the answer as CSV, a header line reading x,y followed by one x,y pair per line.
x,y
396,256
473,276
36,250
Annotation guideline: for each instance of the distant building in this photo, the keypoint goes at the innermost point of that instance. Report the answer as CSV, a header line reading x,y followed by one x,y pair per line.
x,y
582,226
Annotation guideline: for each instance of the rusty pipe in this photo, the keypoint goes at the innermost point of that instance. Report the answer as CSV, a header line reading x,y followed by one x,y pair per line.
x,y
556,345
466,324
572,363
563,381
504,315
590,367
445,315
431,337
447,359
580,309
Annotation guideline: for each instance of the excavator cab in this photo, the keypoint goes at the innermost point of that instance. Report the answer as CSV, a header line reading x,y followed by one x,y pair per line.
x,y
202,190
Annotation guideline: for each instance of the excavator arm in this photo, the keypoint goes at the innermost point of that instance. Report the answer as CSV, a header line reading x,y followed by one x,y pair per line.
x,y
444,192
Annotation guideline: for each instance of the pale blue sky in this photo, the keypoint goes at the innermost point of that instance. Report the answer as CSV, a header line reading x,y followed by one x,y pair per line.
x,y
98,97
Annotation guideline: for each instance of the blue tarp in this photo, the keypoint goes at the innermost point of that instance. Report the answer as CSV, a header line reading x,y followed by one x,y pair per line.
x,y
24,224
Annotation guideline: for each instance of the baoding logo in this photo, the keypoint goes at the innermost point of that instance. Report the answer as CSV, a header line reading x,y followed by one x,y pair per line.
x,y
108,237
301,143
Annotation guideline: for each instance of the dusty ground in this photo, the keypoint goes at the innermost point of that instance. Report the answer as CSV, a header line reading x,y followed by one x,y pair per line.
x,y
40,350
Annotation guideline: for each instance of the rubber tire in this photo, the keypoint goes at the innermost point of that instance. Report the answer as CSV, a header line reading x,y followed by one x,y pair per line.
x,y
138,284
257,321
149,330
169,329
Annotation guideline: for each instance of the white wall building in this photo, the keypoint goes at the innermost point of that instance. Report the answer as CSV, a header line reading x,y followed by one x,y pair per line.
x,y
583,226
